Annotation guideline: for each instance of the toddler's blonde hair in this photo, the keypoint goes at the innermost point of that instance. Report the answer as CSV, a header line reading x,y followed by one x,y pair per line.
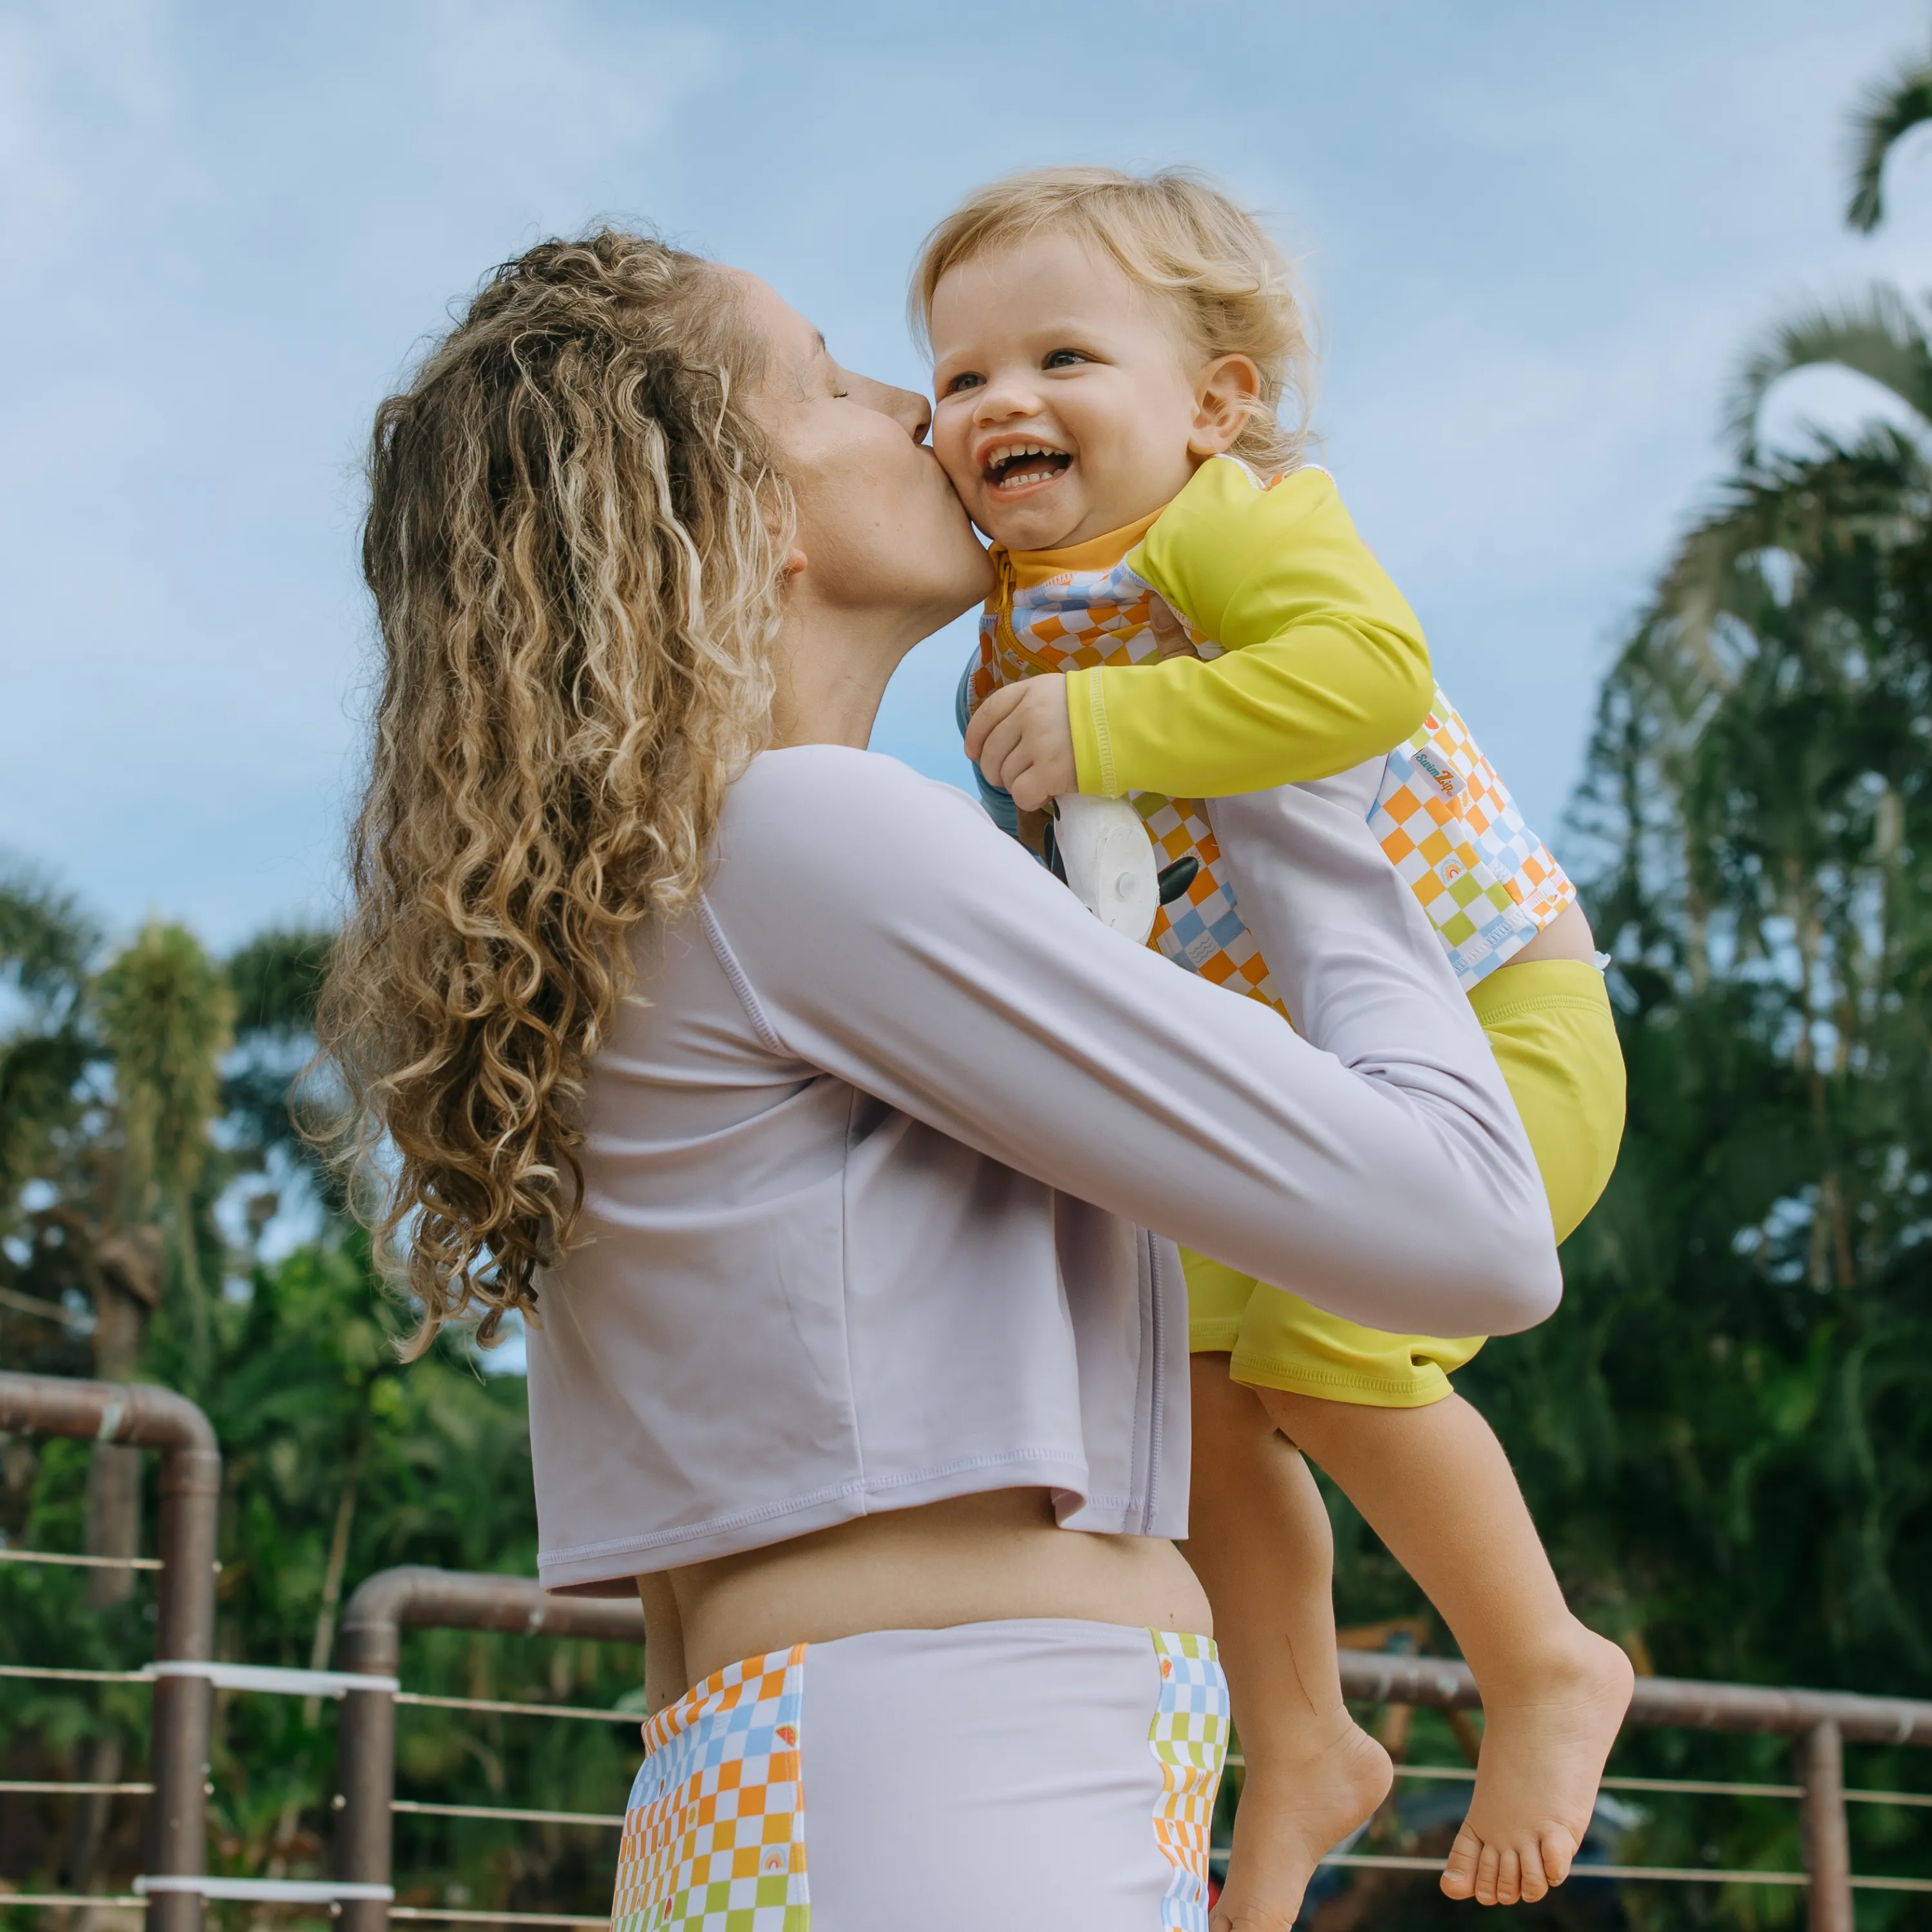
x,y
1176,234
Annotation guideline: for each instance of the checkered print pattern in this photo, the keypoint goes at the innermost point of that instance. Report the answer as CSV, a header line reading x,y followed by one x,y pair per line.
x,y
1188,1737
714,1833
1450,828
1083,618
1442,814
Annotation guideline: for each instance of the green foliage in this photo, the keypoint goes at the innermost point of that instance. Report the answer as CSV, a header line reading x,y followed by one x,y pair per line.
x,y
1889,111
1726,1434
339,1462
276,978
1879,335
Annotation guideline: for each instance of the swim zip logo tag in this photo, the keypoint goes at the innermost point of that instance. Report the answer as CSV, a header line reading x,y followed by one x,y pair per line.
x,y
1448,780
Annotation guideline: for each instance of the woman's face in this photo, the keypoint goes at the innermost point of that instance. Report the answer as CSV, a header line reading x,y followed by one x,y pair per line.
x,y
881,532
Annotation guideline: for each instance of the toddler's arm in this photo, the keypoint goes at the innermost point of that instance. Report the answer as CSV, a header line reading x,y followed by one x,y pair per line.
x,y
1324,663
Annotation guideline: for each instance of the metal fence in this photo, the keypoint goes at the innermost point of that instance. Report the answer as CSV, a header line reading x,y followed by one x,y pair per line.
x,y
184,1676
1820,1723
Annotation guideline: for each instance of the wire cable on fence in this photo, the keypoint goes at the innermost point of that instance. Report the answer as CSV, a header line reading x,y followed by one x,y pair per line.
x,y
1694,1787
81,1562
1676,1874
52,1675
615,1820
132,1898
440,1914
50,1785
519,1710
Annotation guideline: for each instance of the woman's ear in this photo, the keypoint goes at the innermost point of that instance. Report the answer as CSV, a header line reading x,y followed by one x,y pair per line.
x,y
1228,392
794,562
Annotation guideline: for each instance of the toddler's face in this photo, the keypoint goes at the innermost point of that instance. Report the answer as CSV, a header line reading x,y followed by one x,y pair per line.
x,y
1065,396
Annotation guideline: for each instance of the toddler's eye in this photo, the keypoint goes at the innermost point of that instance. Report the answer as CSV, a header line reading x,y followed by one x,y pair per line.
x,y
1064,358
966,381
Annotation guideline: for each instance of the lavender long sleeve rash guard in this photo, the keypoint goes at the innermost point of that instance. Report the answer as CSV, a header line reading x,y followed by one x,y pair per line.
x,y
888,1150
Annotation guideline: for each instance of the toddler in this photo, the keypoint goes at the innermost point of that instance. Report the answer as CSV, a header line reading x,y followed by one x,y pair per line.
x,y
1184,611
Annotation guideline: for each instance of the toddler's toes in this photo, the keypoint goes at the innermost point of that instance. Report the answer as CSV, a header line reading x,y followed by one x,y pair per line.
x,y
1558,1850
1533,1884
1487,1868
1458,1874
1509,1876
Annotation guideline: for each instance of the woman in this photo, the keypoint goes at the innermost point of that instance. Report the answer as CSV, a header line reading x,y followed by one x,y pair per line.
x,y
716,1045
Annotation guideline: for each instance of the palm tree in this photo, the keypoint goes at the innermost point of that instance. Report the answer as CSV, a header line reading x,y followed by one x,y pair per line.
x,y
1890,110
1880,334
166,1015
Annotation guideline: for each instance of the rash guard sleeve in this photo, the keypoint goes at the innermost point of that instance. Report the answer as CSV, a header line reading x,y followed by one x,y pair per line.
x,y
1323,663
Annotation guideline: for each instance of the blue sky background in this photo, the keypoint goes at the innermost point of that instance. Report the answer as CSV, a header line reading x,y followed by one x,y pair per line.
x,y
1540,238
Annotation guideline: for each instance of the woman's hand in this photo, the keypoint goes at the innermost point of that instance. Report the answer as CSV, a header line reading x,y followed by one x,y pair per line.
x,y
1170,633
1020,739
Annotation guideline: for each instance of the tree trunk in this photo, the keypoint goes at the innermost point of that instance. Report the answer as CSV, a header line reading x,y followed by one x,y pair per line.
x,y
87,1831
124,1290
332,1582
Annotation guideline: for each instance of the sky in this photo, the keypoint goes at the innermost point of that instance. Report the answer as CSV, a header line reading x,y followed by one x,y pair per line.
x,y
1540,241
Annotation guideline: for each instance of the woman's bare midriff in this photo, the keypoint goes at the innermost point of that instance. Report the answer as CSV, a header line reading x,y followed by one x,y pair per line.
x,y
971,1559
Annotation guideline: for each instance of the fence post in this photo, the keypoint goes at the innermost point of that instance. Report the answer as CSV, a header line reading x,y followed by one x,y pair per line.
x,y
365,1737
365,1759
157,1418
1828,1853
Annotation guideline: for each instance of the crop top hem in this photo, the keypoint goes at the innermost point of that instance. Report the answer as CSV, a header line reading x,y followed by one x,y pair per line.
x,y
607,1568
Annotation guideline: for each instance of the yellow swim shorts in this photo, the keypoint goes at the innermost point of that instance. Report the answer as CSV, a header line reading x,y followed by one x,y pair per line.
x,y
1550,1025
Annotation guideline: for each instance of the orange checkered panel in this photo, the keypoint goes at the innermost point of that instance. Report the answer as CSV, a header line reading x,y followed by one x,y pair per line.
x,y
1450,828
714,1833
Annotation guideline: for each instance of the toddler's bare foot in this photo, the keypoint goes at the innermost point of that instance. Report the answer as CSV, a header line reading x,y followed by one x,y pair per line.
x,y
1290,1817
1544,1744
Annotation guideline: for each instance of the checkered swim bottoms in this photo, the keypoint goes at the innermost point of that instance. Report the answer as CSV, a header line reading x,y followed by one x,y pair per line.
x,y
1041,1770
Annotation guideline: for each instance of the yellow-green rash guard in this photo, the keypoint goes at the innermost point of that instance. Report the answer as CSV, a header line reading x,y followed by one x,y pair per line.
x,y
1312,659
1311,663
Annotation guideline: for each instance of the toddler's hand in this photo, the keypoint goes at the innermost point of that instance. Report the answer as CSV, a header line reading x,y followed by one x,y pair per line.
x,y
1020,739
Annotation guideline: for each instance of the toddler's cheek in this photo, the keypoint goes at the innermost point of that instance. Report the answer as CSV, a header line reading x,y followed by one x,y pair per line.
x,y
951,450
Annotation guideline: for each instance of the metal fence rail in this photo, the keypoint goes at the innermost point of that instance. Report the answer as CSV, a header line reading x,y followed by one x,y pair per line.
x,y
371,1644
155,1418
184,1675
1818,1722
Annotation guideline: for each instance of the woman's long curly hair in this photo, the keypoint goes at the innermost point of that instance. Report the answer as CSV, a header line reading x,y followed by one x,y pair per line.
x,y
575,540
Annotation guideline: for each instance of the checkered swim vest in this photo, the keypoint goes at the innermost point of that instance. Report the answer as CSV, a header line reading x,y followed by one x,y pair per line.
x,y
1442,814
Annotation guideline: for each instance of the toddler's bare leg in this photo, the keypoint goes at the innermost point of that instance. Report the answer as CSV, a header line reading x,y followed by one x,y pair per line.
x,y
1435,1486
1260,1543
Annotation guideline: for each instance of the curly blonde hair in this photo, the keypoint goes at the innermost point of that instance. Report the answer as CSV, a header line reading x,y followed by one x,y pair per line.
x,y
574,539
1178,236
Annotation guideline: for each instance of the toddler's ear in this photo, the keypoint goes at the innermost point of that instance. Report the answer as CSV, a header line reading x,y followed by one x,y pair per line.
x,y
1228,392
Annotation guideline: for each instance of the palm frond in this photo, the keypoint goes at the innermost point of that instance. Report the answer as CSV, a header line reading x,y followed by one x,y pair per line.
x,y
1888,111
46,938
276,978
1876,335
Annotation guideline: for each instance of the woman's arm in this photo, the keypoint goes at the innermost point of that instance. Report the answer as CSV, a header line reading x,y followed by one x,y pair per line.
x,y
1376,1165
1323,663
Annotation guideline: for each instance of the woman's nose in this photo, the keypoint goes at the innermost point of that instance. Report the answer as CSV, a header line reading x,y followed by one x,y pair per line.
x,y
909,409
